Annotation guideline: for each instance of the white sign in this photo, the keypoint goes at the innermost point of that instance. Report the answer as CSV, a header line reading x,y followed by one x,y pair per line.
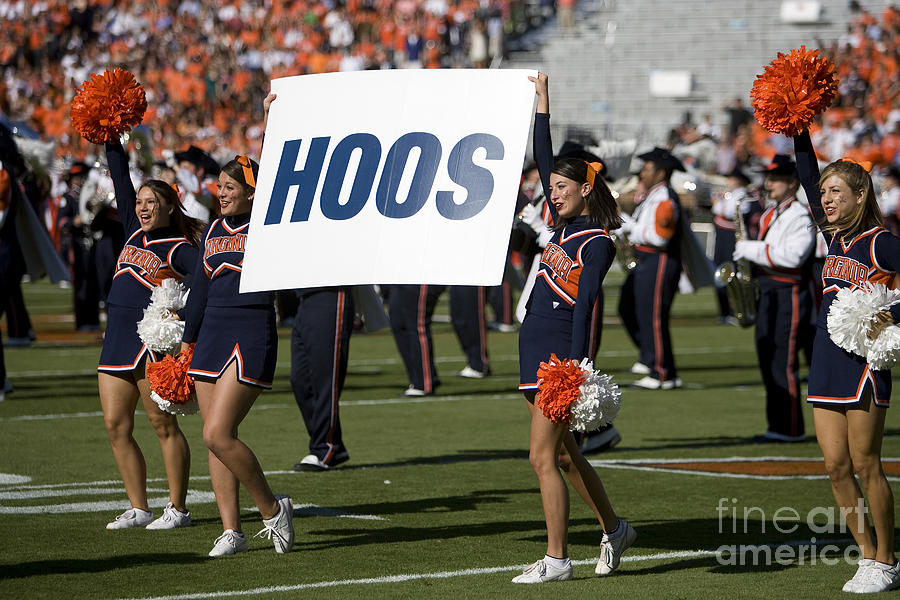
x,y
404,176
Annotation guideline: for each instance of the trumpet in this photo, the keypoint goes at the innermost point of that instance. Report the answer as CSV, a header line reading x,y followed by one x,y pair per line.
x,y
736,278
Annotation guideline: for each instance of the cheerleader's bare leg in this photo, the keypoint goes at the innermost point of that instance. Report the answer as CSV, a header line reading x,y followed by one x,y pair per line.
x,y
587,483
118,399
223,405
865,432
175,450
546,440
832,433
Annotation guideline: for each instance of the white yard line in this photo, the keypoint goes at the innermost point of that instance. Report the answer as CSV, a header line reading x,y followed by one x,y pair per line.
x,y
661,556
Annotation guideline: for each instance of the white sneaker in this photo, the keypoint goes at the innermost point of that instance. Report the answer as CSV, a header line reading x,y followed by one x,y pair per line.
x,y
471,373
611,549
651,383
541,572
133,517
280,528
878,577
412,391
858,576
640,368
230,542
171,518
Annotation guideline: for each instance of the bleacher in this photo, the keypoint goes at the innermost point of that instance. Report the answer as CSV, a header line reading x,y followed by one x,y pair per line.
x,y
600,72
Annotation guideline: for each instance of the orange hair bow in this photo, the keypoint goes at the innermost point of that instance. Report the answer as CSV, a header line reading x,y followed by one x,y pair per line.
x,y
593,169
244,161
866,165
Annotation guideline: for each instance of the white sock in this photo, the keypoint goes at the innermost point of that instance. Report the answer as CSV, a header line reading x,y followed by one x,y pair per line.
x,y
557,563
141,510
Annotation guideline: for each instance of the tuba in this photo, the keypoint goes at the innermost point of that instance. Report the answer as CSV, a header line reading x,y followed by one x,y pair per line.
x,y
738,281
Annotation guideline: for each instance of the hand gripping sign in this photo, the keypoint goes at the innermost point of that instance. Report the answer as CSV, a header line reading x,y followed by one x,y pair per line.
x,y
388,177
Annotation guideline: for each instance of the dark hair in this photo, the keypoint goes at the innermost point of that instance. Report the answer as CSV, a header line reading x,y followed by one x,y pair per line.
x,y
188,227
867,214
235,170
602,207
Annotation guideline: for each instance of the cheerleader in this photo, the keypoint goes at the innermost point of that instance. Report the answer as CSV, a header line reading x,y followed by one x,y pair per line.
x,y
558,320
162,243
849,398
234,360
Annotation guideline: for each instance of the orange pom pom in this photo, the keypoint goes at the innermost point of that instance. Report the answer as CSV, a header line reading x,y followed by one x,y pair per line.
x,y
558,382
108,105
169,377
792,90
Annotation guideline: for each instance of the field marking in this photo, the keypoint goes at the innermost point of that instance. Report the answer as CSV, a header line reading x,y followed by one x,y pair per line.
x,y
469,572
639,464
193,497
58,490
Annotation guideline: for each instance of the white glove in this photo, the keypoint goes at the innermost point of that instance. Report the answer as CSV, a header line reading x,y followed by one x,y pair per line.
x,y
748,249
531,216
627,227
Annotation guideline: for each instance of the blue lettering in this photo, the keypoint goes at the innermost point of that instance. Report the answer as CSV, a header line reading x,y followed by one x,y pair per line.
x,y
307,179
362,183
423,178
478,181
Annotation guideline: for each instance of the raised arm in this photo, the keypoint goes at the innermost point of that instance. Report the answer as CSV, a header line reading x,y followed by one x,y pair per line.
x,y
126,198
808,170
542,144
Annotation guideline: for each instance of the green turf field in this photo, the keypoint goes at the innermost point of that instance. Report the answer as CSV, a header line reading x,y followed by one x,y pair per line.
x,y
438,499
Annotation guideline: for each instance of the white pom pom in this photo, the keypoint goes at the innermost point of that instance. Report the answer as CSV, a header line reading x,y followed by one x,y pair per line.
x,y
161,329
169,294
850,317
884,351
189,408
848,320
599,401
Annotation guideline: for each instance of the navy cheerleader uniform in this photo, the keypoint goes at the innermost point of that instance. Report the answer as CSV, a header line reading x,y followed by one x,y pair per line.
x,y
835,375
566,293
226,325
146,259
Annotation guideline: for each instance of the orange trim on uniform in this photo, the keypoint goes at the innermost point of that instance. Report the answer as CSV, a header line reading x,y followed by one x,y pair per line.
x,y
144,351
866,377
664,221
239,359
792,356
423,339
335,371
657,330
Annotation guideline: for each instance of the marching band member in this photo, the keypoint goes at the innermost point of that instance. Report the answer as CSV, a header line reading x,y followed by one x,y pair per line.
x,y
850,399
234,360
558,319
724,211
781,256
320,351
649,289
162,243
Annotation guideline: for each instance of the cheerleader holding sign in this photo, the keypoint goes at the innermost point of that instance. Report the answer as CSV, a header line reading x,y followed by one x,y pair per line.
x,y
557,324
849,397
234,360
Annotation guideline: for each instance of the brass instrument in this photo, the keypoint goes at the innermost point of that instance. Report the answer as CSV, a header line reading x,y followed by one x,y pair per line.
x,y
624,252
736,278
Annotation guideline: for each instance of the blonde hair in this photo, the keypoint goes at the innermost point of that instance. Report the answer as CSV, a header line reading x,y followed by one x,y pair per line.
x,y
866,214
